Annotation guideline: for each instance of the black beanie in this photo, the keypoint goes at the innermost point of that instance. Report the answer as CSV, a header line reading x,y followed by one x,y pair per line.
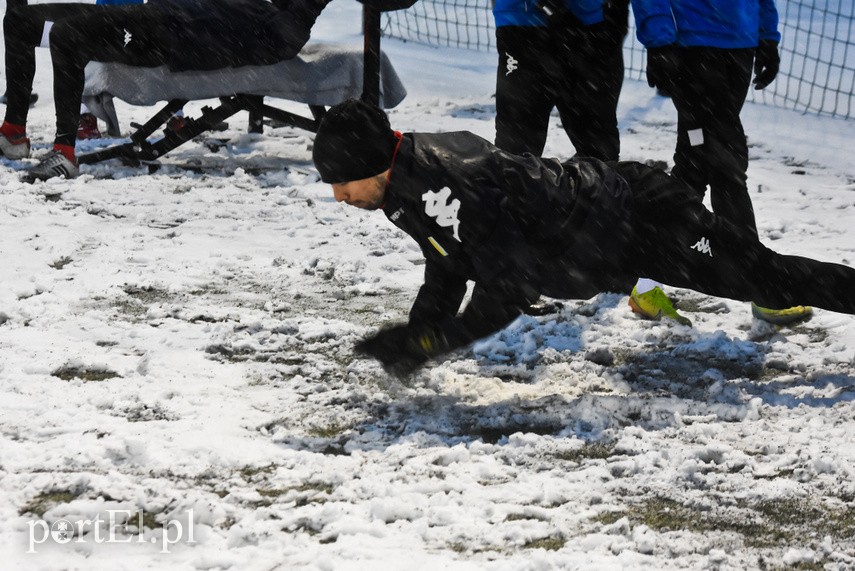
x,y
354,141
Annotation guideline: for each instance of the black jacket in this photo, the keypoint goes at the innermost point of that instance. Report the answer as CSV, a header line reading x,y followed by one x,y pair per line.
x,y
215,34
518,226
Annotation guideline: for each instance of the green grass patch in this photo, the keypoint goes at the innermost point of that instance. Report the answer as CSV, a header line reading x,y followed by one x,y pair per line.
x,y
61,263
148,520
249,472
590,451
316,487
138,299
329,431
548,543
67,373
770,523
814,334
41,503
524,517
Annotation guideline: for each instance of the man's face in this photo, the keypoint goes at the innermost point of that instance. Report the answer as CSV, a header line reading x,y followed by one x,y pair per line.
x,y
368,193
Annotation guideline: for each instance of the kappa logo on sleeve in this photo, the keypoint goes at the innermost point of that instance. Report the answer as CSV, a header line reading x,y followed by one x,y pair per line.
x,y
438,206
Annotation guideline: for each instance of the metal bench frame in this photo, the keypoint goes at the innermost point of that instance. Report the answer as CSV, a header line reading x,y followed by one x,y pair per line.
x,y
140,149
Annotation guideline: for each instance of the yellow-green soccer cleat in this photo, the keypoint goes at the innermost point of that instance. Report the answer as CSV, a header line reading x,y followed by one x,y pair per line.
x,y
788,316
654,304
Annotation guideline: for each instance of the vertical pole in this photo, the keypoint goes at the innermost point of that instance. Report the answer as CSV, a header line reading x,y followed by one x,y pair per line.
x,y
371,54
256,115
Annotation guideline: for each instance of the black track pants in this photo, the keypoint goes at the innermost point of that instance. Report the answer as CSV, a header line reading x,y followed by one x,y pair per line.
x,y
131,34
682,244
711,146
534,76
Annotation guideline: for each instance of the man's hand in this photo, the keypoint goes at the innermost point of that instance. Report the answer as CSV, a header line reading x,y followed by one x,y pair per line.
x,y
766,63
404,348
391,348
663,67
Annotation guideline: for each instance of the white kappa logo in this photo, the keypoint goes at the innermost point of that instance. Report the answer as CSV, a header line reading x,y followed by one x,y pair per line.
x,y
445,212
703,246
512,64
128,37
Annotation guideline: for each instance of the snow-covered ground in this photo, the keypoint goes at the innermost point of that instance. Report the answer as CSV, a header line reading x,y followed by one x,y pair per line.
x,y
176,346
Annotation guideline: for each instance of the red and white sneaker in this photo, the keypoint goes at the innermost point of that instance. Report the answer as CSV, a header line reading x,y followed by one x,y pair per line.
x,y
15,148
88,127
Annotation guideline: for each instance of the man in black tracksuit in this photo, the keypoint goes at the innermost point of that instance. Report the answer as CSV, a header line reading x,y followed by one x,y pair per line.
x,y
182,34
521,226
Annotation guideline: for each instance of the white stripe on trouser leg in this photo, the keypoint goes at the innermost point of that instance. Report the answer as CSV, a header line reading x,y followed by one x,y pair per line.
x,y
45,43
696,137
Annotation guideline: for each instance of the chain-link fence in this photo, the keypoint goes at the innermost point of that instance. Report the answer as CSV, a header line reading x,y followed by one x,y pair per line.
x,y
817,47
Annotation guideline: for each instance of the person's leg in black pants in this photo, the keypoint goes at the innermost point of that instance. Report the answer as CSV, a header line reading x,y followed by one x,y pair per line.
x,y
524,93
589,87
681,243
711,146
133,35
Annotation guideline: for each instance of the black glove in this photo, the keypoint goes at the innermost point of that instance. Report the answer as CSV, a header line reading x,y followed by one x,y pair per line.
x,y
663,67
404,348
766,63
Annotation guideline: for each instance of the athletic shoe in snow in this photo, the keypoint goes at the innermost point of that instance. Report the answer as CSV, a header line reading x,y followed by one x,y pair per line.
x,y
88,127
654,304
54,164
16,148
788,316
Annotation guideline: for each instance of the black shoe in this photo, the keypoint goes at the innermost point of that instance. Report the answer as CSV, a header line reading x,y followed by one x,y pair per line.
x,y
54,164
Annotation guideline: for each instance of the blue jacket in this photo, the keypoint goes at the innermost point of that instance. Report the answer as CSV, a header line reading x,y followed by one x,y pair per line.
x,y
526,13
711,23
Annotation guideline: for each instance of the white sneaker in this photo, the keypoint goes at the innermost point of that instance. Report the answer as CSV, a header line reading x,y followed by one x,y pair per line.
x,y
54,164
15,149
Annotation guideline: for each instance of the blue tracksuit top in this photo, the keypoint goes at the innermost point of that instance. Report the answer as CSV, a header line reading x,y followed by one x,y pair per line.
x,y
526,13
712,23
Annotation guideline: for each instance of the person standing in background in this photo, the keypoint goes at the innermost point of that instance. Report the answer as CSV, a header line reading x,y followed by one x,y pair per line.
x,y
703,53
33,96
222,33
566,54
88,126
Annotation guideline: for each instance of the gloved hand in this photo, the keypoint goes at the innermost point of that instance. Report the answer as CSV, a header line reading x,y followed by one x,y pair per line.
x,y
663,67
404,348
766,63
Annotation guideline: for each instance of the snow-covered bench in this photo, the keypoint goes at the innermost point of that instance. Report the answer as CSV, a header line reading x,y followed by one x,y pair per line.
x,y
320,76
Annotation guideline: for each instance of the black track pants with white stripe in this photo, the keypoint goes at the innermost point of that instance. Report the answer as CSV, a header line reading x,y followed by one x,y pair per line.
x,y
682,244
